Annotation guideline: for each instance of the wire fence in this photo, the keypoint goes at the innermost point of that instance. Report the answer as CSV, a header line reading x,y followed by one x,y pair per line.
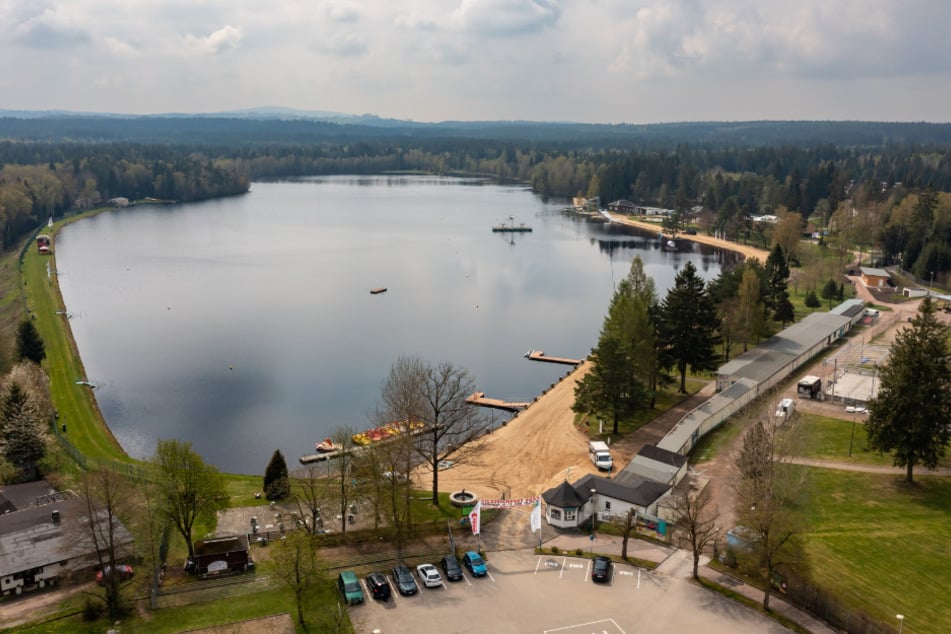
x,y
87,462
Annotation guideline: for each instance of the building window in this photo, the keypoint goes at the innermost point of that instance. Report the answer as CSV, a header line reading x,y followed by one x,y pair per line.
x,y
570,515
554,514
607,505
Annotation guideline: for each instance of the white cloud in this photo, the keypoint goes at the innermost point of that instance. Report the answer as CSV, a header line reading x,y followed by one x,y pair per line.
x,y
504,18
588,60
224,39
45,27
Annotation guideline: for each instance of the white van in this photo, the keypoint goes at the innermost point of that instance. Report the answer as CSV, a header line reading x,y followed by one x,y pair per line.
x,y
600,454
785,409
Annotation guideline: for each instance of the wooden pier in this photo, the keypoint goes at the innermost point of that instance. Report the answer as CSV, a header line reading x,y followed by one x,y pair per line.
x,y
319,457
538,355
478,398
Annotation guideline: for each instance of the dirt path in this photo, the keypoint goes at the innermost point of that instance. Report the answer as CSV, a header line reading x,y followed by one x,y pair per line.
x,y
868,468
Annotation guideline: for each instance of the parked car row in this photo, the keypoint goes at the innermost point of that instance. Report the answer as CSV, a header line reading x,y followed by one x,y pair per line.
x,y
378,586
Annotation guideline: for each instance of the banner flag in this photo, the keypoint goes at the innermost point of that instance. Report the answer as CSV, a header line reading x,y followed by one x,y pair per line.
x,y
475,518
537,516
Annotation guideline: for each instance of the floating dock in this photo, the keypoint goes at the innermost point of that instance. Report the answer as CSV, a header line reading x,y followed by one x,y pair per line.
x,y
538,355
478,398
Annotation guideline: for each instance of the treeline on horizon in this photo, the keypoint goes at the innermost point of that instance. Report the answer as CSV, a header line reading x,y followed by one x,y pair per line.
x,y
52,166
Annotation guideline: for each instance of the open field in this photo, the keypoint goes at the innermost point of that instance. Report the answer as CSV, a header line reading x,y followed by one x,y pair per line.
x,y
827,438
882,546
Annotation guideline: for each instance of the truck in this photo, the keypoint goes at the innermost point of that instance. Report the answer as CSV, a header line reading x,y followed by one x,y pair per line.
x,y
600,454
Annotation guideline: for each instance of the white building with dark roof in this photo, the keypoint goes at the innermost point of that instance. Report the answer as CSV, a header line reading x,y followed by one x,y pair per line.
x,y
571,505
45,536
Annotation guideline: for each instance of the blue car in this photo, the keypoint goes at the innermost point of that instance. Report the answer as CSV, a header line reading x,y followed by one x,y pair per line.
x,y
474,563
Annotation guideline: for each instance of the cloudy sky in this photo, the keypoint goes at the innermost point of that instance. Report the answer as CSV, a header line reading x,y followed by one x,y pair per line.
x,y
632,61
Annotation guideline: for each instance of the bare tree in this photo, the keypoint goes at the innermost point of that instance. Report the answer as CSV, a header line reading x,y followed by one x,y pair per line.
x,y
627,527
768,490
431,402
107,494
343,470
310,494
695,520
294,563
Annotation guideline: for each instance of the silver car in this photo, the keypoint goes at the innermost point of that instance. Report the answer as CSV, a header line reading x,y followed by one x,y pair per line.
x,y
429,575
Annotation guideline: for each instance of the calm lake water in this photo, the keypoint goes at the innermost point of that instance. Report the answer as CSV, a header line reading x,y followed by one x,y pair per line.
x,y
246,325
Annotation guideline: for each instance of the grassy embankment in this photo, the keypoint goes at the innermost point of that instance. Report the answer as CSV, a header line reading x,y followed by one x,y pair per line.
x,y
77,407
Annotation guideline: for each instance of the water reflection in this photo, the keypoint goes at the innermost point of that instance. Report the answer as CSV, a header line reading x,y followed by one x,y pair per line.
x,y
246,325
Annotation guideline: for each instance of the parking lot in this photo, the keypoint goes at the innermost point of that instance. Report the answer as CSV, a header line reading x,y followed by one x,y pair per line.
x,y
524,592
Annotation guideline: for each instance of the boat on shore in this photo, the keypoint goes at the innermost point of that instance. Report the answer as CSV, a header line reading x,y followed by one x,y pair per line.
x,y
325,446
511,227
386,432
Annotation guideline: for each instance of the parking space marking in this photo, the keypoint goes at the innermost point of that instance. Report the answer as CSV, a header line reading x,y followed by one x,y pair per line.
x,y
605,626
562,571
466,578
549,563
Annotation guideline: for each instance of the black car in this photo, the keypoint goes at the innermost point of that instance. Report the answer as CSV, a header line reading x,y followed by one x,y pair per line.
x,y
452,569
602,569
405,582
378,586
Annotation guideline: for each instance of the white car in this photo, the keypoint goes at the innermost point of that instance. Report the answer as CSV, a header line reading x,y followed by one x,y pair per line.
x,y
429,575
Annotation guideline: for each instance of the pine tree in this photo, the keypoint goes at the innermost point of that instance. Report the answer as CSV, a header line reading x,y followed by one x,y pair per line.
x,y
29,344
276,484
689,325
909,415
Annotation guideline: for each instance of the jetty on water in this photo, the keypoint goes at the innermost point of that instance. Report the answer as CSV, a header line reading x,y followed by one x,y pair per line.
x,y
478,398
538,355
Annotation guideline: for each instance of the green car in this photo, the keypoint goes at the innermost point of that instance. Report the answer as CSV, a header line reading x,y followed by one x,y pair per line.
x,y
350,588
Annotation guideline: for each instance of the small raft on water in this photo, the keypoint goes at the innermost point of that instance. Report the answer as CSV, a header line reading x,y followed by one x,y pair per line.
x,y
378,290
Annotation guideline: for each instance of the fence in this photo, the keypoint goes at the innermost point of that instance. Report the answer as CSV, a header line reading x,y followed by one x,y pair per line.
x,y
86,462
820,604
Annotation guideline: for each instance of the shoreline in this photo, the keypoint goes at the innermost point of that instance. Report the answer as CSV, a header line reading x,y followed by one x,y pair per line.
x,y
746,251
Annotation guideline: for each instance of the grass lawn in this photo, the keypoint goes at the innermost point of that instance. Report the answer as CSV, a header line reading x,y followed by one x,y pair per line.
x,y
319,610
882,546
826,438
77,408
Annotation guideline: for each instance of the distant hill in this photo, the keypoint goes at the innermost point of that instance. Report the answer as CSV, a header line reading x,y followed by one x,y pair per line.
x,y
278,125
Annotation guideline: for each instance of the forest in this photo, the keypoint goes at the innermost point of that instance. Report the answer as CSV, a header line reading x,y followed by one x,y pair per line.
x,y
876,184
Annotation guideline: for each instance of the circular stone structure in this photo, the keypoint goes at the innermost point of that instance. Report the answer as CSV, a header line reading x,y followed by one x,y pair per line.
x,y
463,498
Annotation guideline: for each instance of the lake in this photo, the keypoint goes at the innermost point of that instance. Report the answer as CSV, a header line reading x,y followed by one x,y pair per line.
x,y
245,325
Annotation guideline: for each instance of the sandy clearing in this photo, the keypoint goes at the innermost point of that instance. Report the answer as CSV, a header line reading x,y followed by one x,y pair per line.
x,y
743,249
530,454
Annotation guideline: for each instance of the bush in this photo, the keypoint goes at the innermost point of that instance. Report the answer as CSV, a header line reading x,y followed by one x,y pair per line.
x,y
579,552
554,550
92,610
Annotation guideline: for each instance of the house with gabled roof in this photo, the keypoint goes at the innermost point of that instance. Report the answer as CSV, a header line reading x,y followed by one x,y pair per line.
x,y
571,505
45,536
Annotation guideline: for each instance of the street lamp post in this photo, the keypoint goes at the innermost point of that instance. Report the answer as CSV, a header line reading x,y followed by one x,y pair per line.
x,y
852,435
901,621
931,284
